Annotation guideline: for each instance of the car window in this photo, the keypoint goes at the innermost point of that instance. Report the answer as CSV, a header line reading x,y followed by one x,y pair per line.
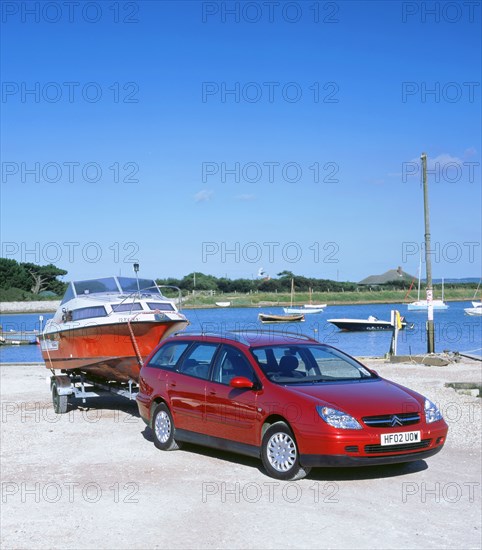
x,y
231,362
197,360
286,361
294,364
168,356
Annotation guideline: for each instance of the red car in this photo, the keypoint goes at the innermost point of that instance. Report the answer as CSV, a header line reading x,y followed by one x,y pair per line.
x,y
289,400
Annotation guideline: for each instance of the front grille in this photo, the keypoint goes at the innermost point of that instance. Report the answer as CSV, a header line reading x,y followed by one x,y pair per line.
x,y
392,420
370,449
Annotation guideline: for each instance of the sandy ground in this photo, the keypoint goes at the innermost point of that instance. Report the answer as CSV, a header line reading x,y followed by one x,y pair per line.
x,y
93,479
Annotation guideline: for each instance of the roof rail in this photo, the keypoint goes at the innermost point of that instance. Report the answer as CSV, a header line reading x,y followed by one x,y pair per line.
x,y
275,332
241,332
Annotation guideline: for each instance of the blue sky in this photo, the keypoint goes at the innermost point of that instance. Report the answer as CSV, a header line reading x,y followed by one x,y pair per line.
x,y
191,139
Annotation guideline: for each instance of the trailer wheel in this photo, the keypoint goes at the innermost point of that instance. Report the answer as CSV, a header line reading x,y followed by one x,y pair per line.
x,y
60,402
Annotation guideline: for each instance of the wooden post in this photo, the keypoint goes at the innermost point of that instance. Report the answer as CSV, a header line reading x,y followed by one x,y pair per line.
x,y
394,320
428,261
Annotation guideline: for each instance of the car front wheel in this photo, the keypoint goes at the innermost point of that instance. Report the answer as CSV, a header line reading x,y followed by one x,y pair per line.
x,y
279,453
164,430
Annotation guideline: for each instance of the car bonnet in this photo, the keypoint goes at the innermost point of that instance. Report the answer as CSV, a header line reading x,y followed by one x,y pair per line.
x,y
362,398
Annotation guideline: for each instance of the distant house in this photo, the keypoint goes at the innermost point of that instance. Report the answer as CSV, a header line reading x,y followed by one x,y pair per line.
x,y
388,277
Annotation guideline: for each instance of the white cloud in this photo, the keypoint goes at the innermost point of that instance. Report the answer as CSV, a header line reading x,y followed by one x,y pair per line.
x,y
244,197
203,196
445,161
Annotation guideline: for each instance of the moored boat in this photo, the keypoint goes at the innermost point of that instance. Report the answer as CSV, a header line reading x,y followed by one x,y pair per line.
x,y
422,305
476,310
223,304
370,324
269,318
106,327
302,310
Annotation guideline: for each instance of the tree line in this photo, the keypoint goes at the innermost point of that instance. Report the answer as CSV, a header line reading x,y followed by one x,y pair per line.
x,y
28,281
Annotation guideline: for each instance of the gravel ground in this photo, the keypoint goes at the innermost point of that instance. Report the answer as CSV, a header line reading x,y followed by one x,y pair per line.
x,y
40,306
93,479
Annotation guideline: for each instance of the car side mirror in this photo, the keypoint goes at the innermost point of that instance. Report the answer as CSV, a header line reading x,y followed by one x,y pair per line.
x,y
241,382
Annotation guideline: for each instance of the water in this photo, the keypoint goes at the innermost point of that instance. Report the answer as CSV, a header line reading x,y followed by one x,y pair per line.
x,y
454,330
21,322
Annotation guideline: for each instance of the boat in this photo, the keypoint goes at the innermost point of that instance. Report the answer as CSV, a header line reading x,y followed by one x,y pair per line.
x,y
476,310
370,324
223,304
106,327
422,305
314,306
269,318
300,310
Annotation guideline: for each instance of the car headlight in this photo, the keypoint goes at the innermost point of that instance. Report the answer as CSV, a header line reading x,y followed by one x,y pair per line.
x,y
338,419
432,412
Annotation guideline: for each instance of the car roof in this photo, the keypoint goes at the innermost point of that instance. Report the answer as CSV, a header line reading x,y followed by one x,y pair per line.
x,y
249,338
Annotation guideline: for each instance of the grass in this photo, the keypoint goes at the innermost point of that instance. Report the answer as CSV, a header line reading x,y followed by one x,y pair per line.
x,y
330,298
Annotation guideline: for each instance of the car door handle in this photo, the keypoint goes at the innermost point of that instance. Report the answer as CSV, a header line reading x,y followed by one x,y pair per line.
x,y
173,384
212,392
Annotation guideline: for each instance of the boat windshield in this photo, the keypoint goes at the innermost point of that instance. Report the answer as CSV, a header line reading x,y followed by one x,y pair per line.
x,y
129,285
111,285
96,286
308,364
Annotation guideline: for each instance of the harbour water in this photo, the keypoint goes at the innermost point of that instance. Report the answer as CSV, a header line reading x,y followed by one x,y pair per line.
x,y
454,330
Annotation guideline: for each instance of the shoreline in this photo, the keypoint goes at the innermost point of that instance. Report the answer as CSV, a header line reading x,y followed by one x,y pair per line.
x,y
51,306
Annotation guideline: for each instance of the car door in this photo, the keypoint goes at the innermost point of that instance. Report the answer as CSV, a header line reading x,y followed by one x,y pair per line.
x,y
186,387
231,413
155,373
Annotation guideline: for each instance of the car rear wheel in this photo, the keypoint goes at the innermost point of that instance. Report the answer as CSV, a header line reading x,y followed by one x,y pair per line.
x,y
164,430
279,453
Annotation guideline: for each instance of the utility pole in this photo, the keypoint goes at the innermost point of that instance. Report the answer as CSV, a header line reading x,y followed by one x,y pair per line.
x,y
428,260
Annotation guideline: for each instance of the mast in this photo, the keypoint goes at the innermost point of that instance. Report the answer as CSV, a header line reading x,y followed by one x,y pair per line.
x,y
419,275
428,260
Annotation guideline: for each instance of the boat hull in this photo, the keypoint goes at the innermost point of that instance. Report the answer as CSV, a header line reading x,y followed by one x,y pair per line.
x,y
362,325
474,311
267,318
301,311
109,352
423,306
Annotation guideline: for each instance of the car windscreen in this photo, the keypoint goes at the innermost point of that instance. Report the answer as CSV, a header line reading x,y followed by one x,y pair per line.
x,y
308,364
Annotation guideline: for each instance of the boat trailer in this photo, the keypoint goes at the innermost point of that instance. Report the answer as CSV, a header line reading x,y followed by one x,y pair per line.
x,y
65,385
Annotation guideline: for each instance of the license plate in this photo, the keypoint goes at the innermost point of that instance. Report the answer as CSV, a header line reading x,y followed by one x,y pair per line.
x,y
400,438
